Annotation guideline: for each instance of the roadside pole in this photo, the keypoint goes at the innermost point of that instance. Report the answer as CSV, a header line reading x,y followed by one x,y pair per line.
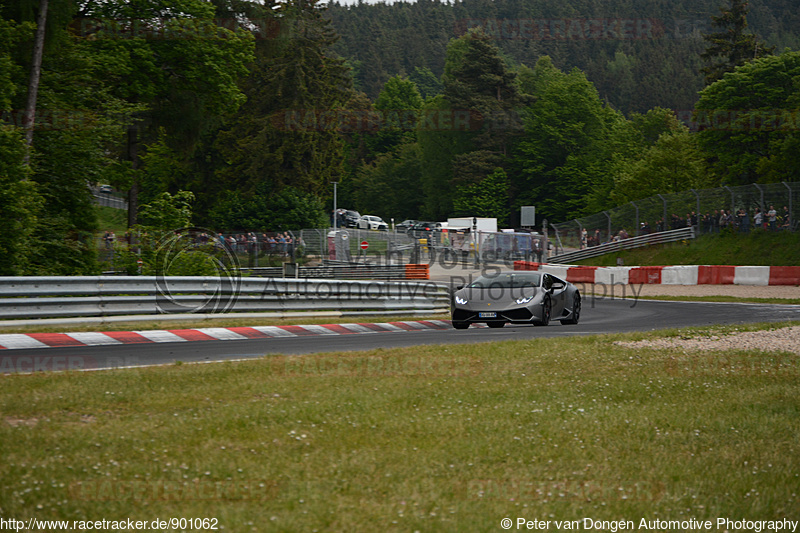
x,y
546,241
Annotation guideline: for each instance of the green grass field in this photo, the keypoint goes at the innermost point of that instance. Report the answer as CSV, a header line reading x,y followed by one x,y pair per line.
x,y
758,248
430,438
115,220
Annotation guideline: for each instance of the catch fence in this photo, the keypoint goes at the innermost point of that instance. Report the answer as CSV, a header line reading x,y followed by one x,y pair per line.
x,y
696,207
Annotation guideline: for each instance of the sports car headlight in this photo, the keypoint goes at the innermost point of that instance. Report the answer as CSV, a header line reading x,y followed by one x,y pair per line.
x,y
460,300
524,300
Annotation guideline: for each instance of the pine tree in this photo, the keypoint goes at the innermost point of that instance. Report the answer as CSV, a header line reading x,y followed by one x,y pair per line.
x,y
289,131
731,45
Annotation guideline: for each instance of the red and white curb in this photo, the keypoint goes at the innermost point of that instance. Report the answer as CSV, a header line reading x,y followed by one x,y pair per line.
x,y
18,341
671,275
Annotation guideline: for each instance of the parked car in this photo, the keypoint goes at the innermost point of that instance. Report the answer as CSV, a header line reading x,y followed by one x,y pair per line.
x,y
424,230
351,218
405,225
106,189
372,222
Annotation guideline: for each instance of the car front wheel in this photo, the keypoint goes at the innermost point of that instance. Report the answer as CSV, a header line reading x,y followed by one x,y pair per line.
x,y
460,325
576,311
547,308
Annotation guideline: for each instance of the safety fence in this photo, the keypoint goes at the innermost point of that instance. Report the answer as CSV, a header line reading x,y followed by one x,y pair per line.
x,y
95,296
626,244
701,208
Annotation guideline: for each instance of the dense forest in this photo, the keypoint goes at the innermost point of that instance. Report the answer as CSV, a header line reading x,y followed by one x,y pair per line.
x,y
237,115
639,55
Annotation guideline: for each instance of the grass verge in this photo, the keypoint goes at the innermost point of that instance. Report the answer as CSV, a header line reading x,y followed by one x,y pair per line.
x,y
430,438
112,219
758,248
783,301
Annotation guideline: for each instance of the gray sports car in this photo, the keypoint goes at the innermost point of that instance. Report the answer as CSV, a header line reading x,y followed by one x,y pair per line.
x,y
516,297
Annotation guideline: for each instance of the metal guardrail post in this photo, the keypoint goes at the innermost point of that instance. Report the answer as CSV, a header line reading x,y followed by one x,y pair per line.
x,y
761,191
791,212
697,196
733,198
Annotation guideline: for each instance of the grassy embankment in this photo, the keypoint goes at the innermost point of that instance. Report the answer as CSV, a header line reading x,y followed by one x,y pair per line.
x,y
430,438
110,219
755,248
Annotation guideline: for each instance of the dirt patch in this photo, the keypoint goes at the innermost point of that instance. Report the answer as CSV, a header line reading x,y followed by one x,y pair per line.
x,y
778,340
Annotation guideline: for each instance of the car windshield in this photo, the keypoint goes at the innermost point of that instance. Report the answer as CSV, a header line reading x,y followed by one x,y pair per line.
x,y
507,281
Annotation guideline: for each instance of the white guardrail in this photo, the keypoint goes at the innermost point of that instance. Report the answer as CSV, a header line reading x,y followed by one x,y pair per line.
x,y
626,244
102,296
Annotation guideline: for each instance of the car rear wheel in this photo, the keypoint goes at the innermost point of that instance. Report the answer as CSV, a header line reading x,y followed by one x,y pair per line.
x,y
496,324
547,308
460,325
576,310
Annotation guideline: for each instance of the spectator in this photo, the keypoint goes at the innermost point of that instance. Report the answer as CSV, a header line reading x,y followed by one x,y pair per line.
x,y
786,222
584,239
109,238
538,250
744,221
281,244
772,217
289,244
758,218
723,220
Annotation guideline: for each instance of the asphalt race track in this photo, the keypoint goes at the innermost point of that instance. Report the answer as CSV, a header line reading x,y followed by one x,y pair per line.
x,y
598,316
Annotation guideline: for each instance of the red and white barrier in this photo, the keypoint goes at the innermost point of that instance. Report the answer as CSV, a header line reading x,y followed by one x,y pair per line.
x,y
671,275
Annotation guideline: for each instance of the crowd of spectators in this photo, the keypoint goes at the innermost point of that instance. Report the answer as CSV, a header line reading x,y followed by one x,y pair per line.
x,y
711,222
282,244
743,222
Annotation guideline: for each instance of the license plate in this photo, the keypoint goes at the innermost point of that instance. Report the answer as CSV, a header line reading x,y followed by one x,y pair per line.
x,y
487,315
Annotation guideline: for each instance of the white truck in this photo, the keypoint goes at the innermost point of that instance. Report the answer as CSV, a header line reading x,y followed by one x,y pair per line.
x,y
484,224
